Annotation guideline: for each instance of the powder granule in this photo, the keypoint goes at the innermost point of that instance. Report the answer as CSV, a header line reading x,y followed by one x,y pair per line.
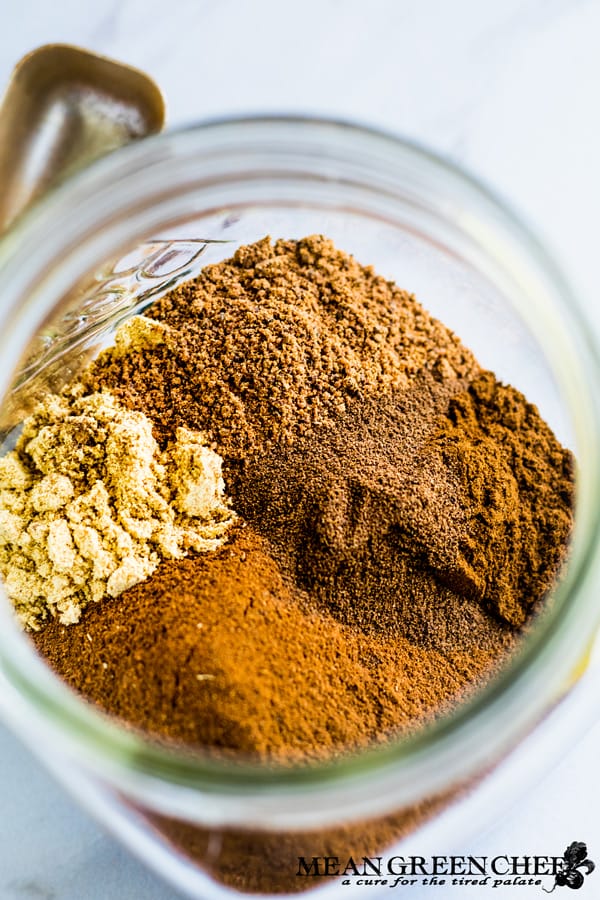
x,y
89,505
138,333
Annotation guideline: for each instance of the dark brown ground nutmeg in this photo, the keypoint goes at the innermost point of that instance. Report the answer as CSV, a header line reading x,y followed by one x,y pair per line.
x,y
417,507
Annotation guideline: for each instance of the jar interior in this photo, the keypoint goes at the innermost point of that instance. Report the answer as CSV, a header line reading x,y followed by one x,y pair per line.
x,y
445,256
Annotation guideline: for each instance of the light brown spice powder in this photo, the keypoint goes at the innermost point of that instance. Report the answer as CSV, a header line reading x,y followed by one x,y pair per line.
x,y
89,505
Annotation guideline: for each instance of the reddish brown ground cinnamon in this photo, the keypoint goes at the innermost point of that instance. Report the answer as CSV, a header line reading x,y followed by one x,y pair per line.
x,y
243,661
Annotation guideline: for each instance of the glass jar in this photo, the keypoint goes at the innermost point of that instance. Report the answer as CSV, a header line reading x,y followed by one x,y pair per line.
x,y
163,208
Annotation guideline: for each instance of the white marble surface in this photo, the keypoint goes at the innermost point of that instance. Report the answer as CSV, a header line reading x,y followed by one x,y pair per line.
x,y
508,88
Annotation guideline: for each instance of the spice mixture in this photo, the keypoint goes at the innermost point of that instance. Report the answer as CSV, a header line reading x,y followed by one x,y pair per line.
x,y
297,514
287,515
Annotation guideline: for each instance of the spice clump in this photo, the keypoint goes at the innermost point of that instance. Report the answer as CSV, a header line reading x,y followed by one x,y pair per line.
x,y
89,505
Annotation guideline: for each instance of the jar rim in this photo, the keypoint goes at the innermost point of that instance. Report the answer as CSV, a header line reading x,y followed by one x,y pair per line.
x,y
441,751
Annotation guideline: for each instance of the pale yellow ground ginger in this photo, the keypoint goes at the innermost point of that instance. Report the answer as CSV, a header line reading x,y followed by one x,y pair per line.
x,y
89,505
135,334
